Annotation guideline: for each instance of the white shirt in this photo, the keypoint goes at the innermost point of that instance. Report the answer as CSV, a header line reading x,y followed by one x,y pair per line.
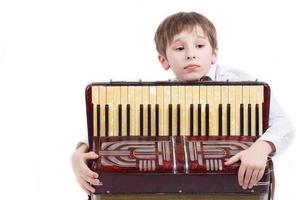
x,y
280,131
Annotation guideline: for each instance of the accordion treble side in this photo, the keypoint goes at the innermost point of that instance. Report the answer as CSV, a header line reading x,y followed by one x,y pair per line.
x,y
173,137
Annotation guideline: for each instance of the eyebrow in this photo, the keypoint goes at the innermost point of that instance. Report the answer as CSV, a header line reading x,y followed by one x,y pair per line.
x,y
178,39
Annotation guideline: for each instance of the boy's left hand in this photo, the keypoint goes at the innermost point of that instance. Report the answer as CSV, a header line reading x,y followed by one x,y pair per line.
x,y
253,163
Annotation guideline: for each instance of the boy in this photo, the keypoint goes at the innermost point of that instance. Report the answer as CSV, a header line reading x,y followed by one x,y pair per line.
x,y
187,44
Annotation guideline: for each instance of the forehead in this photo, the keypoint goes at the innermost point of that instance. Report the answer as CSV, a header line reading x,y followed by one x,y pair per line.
x,y
190,32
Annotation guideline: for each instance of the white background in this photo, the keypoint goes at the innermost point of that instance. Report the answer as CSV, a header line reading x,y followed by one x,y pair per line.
x,y
50,50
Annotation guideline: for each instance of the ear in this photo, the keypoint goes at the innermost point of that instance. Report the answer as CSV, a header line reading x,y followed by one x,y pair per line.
x,y
214,56
164,62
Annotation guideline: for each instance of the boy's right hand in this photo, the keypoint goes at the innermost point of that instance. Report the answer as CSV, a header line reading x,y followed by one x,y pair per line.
x,y
83,174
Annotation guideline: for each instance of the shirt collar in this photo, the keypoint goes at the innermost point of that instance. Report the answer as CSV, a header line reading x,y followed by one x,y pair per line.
x,y
212,72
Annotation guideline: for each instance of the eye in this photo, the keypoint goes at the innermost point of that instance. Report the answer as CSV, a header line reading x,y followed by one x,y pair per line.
x,y
199,45
179,48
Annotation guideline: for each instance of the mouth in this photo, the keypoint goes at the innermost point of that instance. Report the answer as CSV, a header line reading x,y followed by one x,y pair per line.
x,y
191,66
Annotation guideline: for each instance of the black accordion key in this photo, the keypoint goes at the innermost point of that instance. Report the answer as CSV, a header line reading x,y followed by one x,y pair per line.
x,y
178,119
257,120
199,120
228,119
249,119
106,119
120,119
207,119
170,120
156,119
220,119
149,119
98,120
141,119
241,119
128,119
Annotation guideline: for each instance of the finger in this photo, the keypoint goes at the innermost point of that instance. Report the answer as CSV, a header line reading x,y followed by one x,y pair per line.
x,y
233,159
260,175
87,171
253,179
90,155
247,178
241,174
92,181
87,186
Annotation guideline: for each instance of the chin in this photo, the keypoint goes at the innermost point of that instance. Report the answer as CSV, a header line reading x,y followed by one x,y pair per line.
x,y
192,77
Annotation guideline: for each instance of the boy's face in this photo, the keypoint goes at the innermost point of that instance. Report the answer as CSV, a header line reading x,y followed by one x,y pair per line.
x,y
189,55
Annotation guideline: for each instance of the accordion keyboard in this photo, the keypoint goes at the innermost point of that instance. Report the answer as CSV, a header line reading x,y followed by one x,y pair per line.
x,y
177,109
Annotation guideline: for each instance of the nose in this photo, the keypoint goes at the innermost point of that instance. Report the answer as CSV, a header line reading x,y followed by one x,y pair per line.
x,y
191,57
190,54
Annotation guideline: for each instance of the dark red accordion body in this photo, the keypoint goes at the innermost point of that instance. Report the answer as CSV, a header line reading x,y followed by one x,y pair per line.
x,y
175,163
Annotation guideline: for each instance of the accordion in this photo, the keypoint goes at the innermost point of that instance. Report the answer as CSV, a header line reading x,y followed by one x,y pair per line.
x,y
170,139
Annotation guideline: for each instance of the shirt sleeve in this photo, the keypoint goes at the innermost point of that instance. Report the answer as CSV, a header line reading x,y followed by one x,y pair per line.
x,y
280,131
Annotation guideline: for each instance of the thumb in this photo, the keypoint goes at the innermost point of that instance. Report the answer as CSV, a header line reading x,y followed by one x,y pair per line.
x,y
233,159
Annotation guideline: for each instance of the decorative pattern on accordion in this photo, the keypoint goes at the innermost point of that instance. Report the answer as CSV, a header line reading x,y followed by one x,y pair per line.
x,y
141,155
168,155
210,155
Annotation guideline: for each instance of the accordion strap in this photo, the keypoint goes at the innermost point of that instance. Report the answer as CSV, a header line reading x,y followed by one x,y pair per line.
x,y
272,180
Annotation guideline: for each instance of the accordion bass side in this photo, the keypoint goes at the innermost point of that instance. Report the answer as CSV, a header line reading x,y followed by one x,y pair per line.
x,y
173,137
